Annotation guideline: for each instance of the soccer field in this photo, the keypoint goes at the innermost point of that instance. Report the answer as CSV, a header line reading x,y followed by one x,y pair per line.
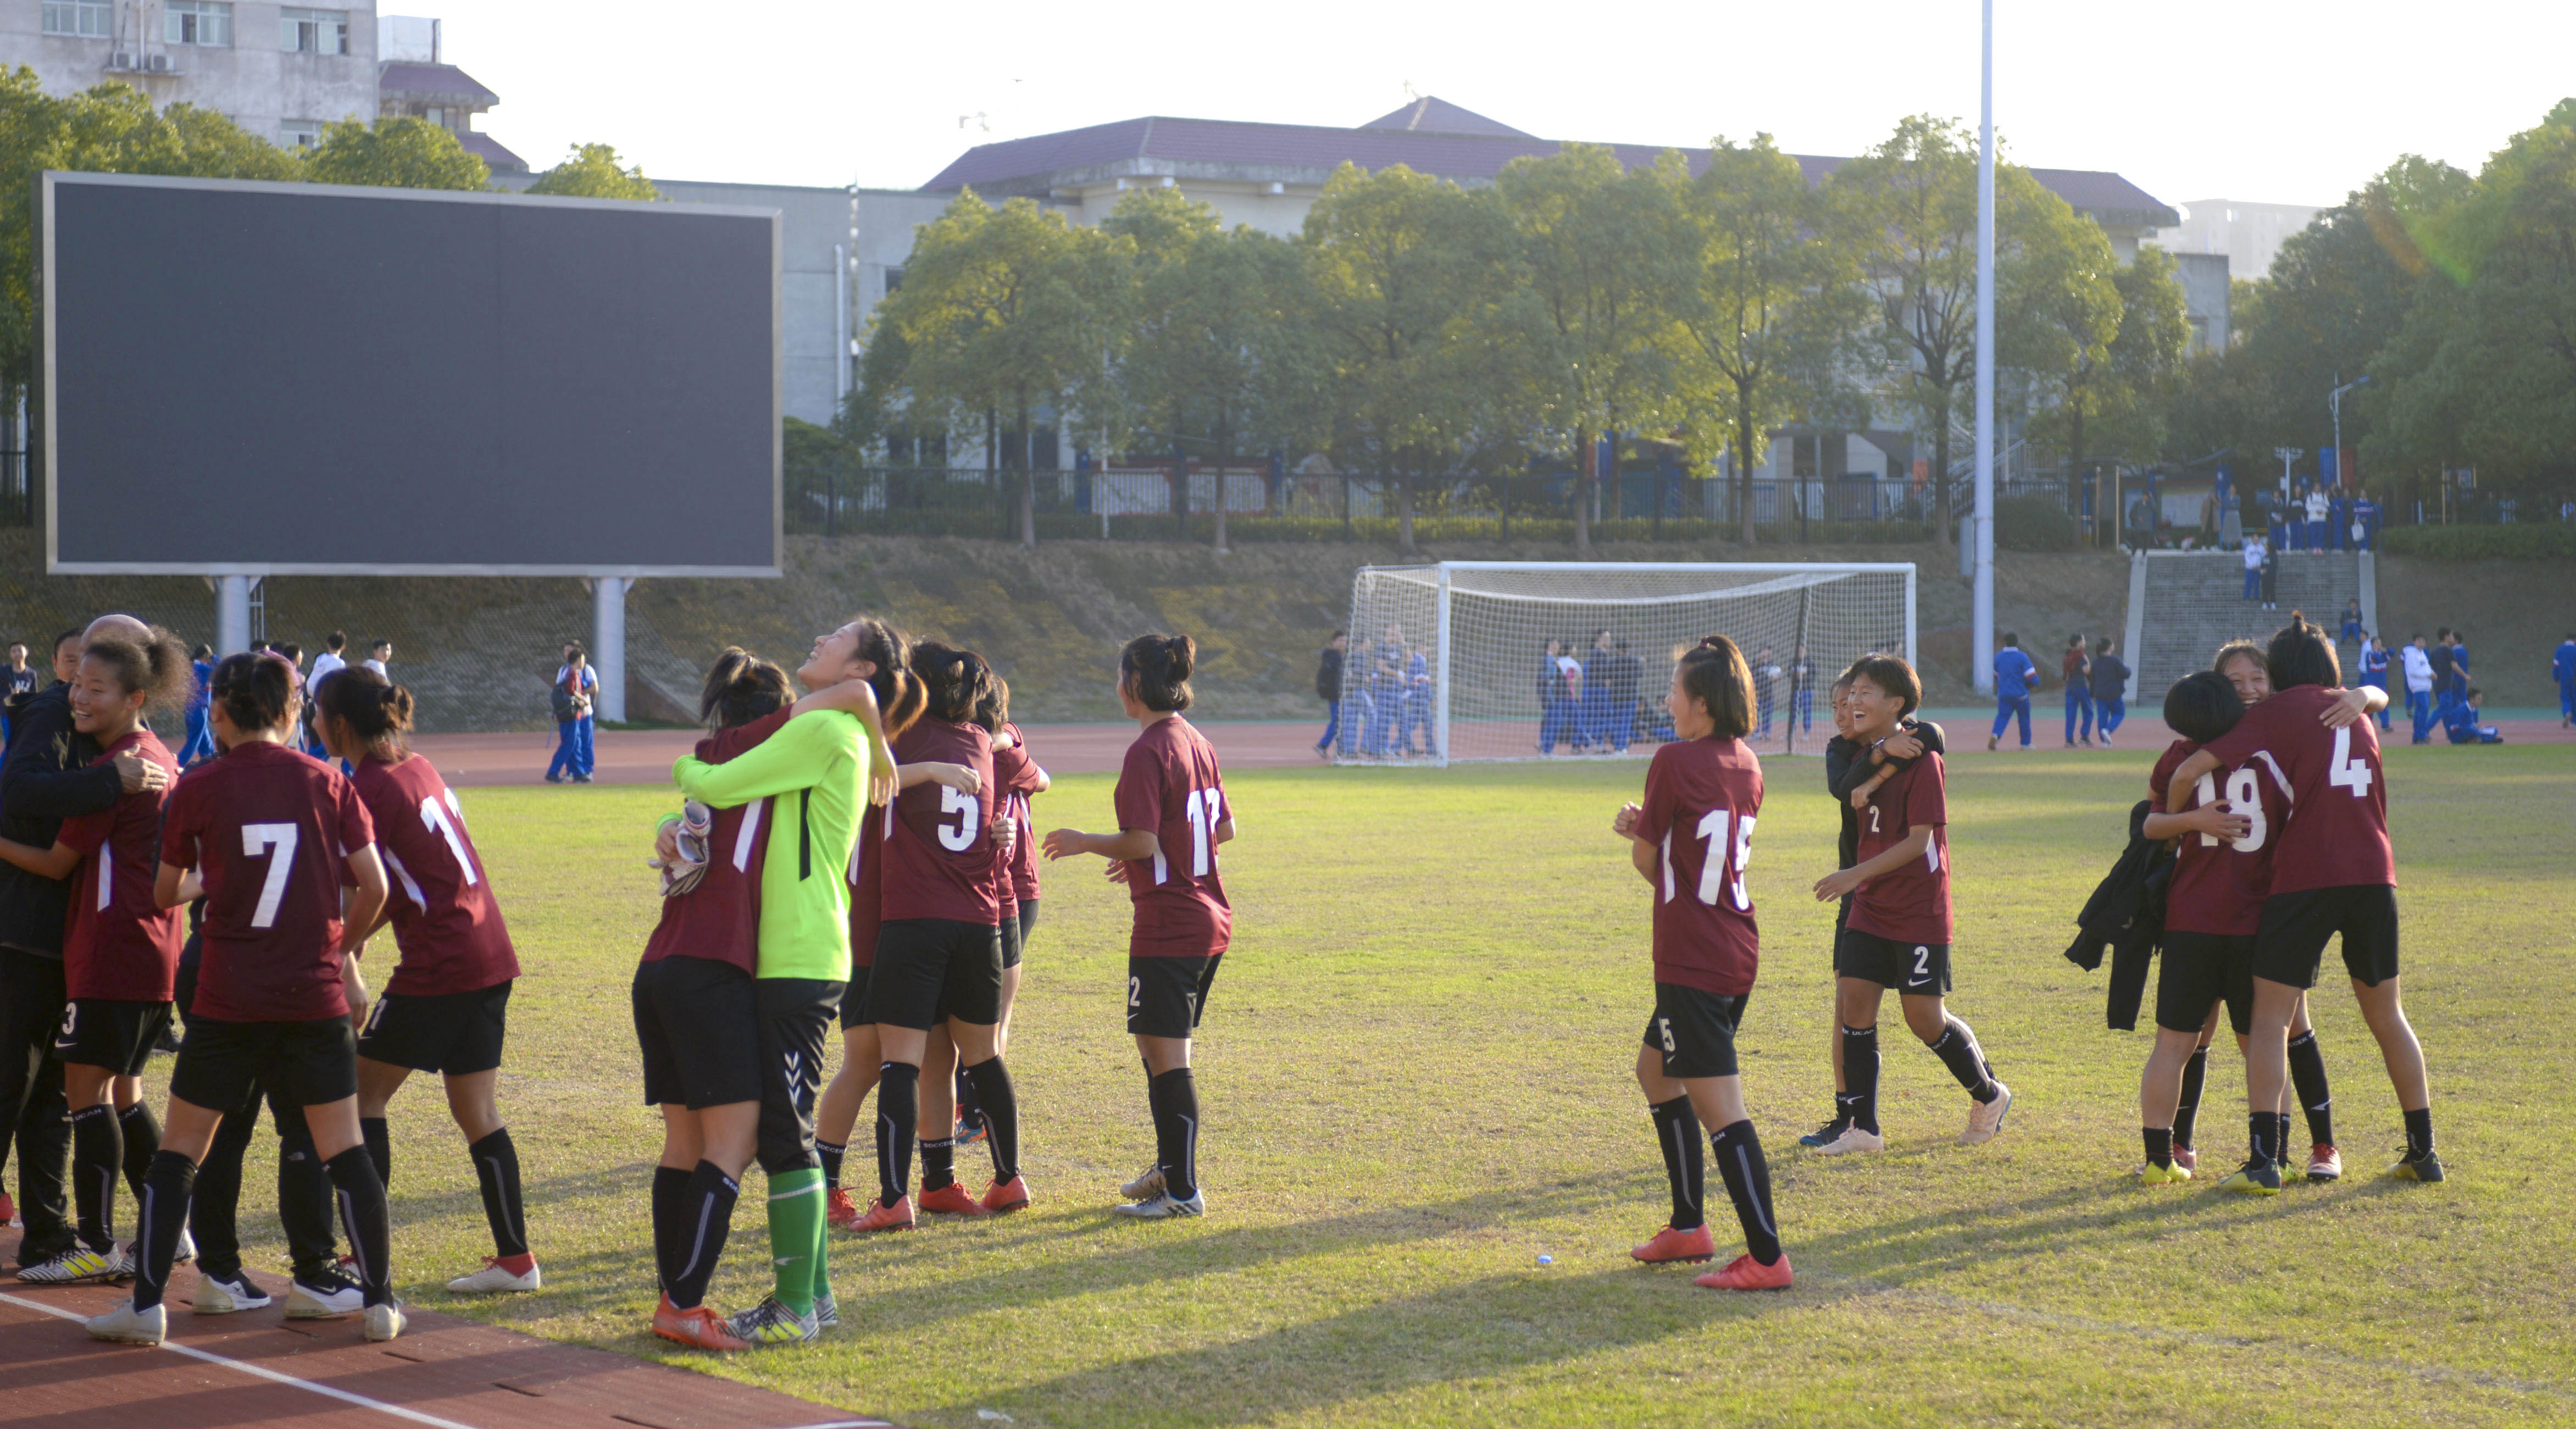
x,y
1415,1070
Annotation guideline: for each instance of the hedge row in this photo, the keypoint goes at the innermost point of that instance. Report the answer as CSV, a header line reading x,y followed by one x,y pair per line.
x,y
2542,541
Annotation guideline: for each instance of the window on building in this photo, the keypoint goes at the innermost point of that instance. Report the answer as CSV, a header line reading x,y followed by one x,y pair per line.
x,y
197,22
313,32
435,114
299,134
88,19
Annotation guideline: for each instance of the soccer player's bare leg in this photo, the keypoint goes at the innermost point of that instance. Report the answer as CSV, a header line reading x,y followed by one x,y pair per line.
x,y
836,1114
1010,996
2404,1056
2267,1066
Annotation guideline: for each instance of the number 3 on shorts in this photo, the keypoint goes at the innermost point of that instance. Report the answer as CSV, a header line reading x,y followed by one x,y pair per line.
x,y
1664,1029
1135,992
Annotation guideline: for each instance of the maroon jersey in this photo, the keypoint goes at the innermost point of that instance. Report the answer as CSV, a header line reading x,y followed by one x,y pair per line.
x,y
867,884
2219,885
272,831
1702,796
1169,787
447,926
1909,904
719,920
118,942
1019,776
2335,831
940,860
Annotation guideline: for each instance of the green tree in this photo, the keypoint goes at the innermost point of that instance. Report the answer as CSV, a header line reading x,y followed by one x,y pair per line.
x,y
1604,262
591,171
394,153
1009,310
1768,304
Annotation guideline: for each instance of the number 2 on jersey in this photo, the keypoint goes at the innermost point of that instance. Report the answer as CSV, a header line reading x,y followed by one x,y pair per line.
x,y
258,840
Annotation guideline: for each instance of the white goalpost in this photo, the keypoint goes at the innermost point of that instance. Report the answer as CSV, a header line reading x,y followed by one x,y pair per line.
x,y
1451,662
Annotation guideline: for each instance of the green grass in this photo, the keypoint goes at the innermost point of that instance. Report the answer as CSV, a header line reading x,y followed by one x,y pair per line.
x,y
1415,1074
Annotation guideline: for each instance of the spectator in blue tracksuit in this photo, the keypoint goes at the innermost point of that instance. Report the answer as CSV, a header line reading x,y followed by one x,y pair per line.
x,y
2075,673
2253,558
2374,671
201,740
1766,670
2460,721
2339,523
2459,667
1596,692
575,747
1417,706
1802,691
2419,686
2365,523
1559,680
2351,620
16,683
1626,671
2562,667
1386,710
2016,675
2110,690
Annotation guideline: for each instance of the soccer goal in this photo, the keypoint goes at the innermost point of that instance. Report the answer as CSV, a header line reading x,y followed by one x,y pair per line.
x,y
1496,660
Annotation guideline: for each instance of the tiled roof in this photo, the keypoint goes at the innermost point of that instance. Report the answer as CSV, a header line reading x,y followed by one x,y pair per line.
x,y
1306,153
433,82
492,153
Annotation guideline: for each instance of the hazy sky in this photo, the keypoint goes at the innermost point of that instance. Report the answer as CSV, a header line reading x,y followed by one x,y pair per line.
x,y
2258,100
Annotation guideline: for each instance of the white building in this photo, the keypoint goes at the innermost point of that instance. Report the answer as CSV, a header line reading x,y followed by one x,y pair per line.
x,y
2250,234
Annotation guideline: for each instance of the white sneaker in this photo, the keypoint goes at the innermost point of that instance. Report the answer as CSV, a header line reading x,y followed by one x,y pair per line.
x,y
1147,1185
494,1279
1161,1207
1852,1140
218,1296
327,1298
129,1326
384,1321
1985,1119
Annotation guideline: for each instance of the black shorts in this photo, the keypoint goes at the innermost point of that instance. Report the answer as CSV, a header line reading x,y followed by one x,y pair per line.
x,y
1694,1030
1010,941
110,1032
699,1028
1167,996
1028,920
2297,925
2200,969
930,969
795,1016
458,1033
308,1063
1915,969
856,1009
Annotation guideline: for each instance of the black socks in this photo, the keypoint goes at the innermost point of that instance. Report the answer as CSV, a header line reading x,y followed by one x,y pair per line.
x,y
2308,1076
2263,1131
1860,1076
363,1216
898,1114
698,1237
1174,1096
158,1219
98,1160
142,1136
938,1163
830,1153
2419,1133
2187,1111
1677,1132
969,1108
2160,1145
670,1186
1748,1182
380,1148
496,1168
1957,1049
303,1194
1001,1109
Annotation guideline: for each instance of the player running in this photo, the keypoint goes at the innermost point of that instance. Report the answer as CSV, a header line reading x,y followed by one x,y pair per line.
x,y
445,1008
1172,816
1690,841
120,948
273,837
1898,934
2333,873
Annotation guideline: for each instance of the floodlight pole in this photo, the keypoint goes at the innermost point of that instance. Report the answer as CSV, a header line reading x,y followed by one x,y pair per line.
x,y
1440,692
232,614
1982,623
608,644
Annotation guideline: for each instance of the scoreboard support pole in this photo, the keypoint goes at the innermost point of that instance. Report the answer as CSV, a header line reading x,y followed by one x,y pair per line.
x,y
232,614
608,643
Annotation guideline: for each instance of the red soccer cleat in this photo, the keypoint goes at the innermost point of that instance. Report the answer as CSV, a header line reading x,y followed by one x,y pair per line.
x,y
699,1328
837,1210
882,1217
952,1200
1007,1195
1746,1273
1693,1245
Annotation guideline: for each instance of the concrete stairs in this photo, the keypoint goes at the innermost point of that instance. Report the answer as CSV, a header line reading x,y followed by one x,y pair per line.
x,y
2185,604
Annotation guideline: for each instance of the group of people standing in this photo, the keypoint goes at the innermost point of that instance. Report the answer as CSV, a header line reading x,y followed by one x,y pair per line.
x,y
2095,678
1377,711
2439,694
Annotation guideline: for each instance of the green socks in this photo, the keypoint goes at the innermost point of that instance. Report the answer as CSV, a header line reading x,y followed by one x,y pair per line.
x,y
796,1207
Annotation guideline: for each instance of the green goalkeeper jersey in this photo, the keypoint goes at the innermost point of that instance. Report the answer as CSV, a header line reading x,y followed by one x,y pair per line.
x,y
816,766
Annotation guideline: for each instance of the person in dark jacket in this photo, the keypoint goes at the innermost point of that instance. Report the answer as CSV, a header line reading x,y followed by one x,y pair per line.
x,y
2272,576
2075,672
50,774
1328,687
2110,676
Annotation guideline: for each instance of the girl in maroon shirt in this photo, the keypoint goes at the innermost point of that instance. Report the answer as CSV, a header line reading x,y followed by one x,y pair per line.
x,y
270,838
1172,816
120,948
445,1007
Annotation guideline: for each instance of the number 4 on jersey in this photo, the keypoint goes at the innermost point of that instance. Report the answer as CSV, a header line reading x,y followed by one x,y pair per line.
x,y
2347,772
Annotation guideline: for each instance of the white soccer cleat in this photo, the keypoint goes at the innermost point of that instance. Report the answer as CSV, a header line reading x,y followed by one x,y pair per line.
x,y
1147,1185
79,1265
1162,1207
1853,1140
218,1296
128,1326
1985,1119
495,1279
384,1321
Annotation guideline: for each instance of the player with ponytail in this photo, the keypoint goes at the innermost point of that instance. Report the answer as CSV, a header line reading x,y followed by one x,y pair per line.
x,y
445,1009
1172,816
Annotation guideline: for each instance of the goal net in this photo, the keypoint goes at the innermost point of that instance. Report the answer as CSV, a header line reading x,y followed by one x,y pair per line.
x,y
1493,660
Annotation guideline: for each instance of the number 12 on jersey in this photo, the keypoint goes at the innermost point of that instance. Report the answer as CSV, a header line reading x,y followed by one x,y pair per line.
x,y
1717,859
